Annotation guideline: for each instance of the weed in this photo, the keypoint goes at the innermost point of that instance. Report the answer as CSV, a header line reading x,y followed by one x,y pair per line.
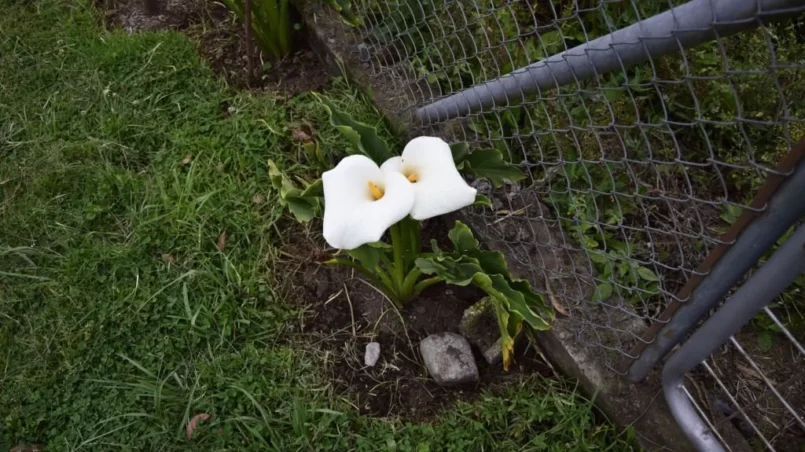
x,y
270,21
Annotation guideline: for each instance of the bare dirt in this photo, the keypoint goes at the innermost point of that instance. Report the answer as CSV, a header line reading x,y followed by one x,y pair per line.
x,y
220,39
344,313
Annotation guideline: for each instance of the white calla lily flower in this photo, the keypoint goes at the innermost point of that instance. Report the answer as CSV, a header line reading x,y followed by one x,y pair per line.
x,y
361,202
428,164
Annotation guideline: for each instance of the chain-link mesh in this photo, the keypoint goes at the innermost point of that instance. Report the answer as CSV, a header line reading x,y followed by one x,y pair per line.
x,y
633,175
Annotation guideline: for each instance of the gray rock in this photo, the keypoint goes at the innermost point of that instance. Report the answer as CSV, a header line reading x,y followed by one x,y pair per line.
x,y
449,359
372,354
479,325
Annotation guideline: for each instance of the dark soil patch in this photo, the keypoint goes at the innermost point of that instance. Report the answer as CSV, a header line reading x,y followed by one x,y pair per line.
x,y
220,39
345,313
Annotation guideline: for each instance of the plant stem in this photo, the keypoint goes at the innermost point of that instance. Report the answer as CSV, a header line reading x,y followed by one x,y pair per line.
x,y
399,258
424,284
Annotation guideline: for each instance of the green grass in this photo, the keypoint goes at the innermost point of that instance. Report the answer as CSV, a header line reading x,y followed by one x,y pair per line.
x,y
120,318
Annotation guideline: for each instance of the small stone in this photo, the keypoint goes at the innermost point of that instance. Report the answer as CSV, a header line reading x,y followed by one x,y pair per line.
x,y
493,355
480,326
449,359
372,354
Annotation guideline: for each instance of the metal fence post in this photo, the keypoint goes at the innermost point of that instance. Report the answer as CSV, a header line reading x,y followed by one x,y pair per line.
x,y
769,281
783,209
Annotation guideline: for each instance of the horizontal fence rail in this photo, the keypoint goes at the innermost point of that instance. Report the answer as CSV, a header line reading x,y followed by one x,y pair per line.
x,y
693,23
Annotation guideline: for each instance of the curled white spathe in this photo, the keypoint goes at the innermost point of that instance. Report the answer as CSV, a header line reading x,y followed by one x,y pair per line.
x,y
352,215
438,187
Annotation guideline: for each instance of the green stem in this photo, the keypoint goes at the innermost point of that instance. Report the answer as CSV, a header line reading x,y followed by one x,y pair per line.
x,y
424,284
409,283
398,271
410,230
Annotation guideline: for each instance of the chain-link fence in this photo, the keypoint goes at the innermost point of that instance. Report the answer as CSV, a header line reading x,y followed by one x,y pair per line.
x,y
647,128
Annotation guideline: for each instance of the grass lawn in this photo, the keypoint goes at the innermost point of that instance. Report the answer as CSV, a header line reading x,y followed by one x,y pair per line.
x,y
123,313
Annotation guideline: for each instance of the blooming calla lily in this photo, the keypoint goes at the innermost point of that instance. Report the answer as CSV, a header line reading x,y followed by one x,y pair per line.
x,y
428,164
361,202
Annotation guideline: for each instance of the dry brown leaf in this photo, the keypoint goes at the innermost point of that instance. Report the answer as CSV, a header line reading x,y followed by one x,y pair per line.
x,y
221,244
258,198
191,426
187,159
560,308
301,135
28,448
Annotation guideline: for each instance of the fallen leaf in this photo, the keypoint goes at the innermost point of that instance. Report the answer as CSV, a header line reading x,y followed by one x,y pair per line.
x,y
258,198
187,159
558,306
191,426
221,244
301,135
28,448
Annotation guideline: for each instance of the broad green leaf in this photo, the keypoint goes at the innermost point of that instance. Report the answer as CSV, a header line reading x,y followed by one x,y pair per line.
x,y
646,274
602,292
462,238
449,269
492,262
363,136
460,152
315,189
515,302
514,299
465,244
489,164
483,201
367,255
304,209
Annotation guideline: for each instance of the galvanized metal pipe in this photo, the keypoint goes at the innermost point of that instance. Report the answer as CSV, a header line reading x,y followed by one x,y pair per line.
x,y
688,25
784,208
787,263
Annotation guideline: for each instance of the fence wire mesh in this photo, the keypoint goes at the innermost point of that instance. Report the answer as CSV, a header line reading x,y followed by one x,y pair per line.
x,y
633,175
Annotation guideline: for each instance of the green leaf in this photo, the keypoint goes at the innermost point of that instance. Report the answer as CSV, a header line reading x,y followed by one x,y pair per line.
x,y
304,209
449,269
462,238
646,274
602,292
367,255
315,189
481,200
364,137
598,257
460,152
489,164
303,204
515,302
